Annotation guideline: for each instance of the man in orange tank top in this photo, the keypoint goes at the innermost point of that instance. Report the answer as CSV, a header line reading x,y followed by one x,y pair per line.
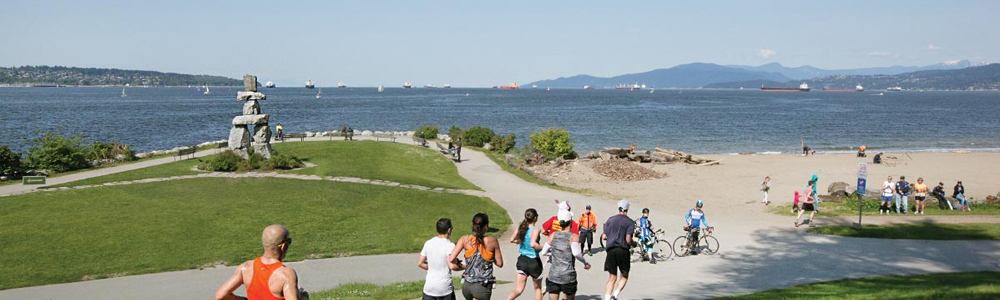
x,y
265,277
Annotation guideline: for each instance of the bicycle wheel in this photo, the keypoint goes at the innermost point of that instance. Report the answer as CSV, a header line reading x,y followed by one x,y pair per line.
x,y
709,245
662,250
681,247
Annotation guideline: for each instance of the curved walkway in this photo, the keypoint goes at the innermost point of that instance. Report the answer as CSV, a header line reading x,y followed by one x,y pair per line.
x,y
759,252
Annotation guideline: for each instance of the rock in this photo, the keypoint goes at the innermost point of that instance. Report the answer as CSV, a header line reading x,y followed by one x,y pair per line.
x,y
143,155
336,132
309,134
264,149
251,107
366,133
839,186
249,83
250,120
239,137
244,96
261,134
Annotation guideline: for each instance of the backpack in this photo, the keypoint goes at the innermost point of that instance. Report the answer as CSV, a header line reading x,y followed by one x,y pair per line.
x,y
904,187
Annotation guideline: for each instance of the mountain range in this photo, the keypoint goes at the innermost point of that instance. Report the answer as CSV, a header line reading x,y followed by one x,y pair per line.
x,y
695,75
972,78
59,75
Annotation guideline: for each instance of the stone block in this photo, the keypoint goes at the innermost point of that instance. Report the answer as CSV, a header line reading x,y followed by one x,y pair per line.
x,y
262,134
250,119
264,149
239,137
251,107
244,96
249,83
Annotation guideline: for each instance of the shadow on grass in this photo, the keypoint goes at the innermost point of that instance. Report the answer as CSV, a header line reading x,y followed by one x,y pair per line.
x,y
786,256
917,231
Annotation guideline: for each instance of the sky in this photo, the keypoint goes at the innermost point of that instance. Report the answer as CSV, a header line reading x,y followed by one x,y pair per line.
x,y
483,43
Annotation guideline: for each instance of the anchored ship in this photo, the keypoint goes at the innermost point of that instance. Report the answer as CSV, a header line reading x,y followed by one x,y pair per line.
x,y
894,89
406,85
630,87
309,84
857,88
802,88
270,84
341,85
512,86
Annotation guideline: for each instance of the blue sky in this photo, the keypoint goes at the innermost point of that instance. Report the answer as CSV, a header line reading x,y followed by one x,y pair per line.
x,y
480,43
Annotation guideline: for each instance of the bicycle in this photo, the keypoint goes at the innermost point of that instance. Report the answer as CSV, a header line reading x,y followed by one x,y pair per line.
x,y
659,247
706,244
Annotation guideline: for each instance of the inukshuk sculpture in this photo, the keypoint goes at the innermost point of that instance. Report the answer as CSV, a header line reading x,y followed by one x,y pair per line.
x,y
239,137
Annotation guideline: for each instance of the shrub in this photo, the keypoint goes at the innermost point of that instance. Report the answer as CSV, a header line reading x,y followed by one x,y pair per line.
x,y
552,143
100,151
477,136
502,144
284,162
57,152
227,161
454,132
430,132
253,162
10,163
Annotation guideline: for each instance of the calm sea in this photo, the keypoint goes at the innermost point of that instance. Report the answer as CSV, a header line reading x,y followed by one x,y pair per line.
x,y
699,121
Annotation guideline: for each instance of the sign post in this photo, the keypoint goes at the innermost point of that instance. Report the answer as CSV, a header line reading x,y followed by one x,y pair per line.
x,y
860,191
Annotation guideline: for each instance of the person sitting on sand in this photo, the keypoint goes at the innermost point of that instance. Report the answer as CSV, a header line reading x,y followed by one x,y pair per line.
x,y
877,159
959,193
808,205
266,277
939,193
861,151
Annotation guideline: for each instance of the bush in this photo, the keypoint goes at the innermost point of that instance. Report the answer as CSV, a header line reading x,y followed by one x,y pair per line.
x,y
56,152
477,136
500,144
430,132
253,162
552,143
284,162
10,163
101,151
454,132
227,161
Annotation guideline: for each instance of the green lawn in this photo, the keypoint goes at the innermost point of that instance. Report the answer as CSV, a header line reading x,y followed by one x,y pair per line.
x,y
395,291
967,285
65,236
849,207
499,160
918,231
181,167
377,160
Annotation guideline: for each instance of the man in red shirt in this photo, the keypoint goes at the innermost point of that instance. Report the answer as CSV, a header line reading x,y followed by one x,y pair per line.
x,y
552,225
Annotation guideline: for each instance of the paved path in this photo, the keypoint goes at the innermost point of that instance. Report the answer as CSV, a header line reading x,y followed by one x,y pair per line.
x,y
759,252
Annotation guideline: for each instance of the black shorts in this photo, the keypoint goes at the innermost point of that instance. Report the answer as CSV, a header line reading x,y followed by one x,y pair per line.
x,y
448,297
477,290
618,259
808,207
920,198
555,288
529,266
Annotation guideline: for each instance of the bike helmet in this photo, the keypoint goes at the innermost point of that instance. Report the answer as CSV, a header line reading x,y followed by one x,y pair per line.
x,y
699,204
645,210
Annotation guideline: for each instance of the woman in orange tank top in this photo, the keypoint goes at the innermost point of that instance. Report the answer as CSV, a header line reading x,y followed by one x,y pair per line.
x,y
481,254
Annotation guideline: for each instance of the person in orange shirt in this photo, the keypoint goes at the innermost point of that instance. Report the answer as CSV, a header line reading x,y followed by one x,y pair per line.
x,y
921,195
588,225
265,277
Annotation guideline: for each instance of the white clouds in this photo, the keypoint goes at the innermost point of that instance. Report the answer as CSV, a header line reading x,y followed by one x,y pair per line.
x,y
767,53
931,47
882,54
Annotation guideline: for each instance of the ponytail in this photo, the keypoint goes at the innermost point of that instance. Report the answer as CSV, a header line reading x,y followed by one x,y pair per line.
x,y
480,224
530,217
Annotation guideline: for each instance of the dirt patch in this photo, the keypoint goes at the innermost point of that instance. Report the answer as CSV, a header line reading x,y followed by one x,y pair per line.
x,y
623,170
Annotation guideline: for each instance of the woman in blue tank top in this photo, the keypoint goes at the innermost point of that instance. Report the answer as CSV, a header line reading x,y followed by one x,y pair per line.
x,y
528,263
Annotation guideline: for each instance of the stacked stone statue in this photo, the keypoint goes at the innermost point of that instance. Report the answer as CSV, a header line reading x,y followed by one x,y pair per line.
x,y
239,137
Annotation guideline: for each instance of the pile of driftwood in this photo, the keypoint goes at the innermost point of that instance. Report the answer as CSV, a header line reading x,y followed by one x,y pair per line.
x,y
623,170
658,156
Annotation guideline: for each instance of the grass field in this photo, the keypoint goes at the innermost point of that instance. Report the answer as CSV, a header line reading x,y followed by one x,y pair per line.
x,y
181,167
499,160
849,207
966,285
395,291
377,160
917,231
65,236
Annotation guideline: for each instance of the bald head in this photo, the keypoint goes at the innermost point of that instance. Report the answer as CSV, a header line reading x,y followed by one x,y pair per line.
x,y
273,235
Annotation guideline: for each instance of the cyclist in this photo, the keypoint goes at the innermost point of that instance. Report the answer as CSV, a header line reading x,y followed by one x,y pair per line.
x,y
645,232
694,219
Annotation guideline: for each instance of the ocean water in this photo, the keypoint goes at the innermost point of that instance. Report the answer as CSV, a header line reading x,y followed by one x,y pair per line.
x,y
698,121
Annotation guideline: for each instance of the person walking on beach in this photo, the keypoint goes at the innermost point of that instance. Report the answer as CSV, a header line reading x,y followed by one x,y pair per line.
x,y
920,194
765,186
808,205
433,258
902,192
527,237
563,248
481,254
266,277
939,193
959,193
813,182
618,231
588,225
887,193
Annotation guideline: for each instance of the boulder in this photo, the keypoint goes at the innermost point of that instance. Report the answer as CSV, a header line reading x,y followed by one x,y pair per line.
x,y
239,137
251,107
366,133
250,120
264,149
839,186
249,83
261,134
244,96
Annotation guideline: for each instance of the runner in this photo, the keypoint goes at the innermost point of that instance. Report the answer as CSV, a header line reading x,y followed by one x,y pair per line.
x,y
645,231
588,225
920,190
765,186
527,237
481,254
433,258
813,182
563,247
265,277
795,202
552,224
808,205
886,196
693,221
902,191
618,231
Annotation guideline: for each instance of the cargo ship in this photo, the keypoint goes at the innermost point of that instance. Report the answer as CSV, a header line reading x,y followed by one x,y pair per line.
x,y
309,84
857,88
894,89
630,87
802,88
512,86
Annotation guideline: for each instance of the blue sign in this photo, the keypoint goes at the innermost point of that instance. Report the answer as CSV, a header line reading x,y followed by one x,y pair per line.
x,y
861,186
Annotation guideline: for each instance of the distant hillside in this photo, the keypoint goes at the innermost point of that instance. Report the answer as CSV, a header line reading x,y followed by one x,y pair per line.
x,y
685,76
809,72
973,78
57,75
